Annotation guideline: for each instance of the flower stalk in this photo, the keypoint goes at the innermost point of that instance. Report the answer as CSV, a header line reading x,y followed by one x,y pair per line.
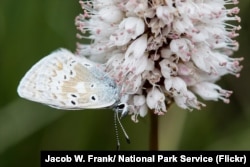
x,y
153,134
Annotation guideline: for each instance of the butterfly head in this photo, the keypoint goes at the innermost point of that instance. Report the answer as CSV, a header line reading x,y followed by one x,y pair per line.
x,y
121,108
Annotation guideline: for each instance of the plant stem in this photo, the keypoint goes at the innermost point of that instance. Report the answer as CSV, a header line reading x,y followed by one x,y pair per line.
x,y
153,138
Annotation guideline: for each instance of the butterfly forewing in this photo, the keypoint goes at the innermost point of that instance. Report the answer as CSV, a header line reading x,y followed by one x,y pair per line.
x,y
66,81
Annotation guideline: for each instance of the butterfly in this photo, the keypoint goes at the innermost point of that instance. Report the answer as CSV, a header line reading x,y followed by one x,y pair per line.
x,y
66,81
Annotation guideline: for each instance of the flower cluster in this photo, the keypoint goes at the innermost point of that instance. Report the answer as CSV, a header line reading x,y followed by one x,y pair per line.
x,y
162,51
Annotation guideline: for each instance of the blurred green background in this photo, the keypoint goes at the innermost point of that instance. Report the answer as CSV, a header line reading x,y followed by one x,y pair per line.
x,y
31,29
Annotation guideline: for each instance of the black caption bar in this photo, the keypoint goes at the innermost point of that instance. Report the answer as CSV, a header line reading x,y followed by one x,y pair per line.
x,y
143,158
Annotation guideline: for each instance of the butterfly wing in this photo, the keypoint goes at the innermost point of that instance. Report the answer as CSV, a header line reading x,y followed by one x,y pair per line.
x,y
65,81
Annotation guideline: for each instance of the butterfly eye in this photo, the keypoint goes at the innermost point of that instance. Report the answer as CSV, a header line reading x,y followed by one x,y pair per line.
x,y
120,106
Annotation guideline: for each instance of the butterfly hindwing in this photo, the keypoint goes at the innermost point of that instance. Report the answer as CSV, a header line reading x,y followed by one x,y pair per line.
x,y
66,81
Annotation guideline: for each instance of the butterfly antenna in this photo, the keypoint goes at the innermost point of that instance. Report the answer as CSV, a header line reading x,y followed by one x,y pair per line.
x,y
124,132
116,132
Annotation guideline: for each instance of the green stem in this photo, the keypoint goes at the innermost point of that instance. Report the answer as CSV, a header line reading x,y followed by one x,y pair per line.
x,y
153,138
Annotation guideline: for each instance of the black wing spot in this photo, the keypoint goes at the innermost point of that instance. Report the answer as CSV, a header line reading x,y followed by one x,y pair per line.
x,y
73,95
93,98
65,77
71,72
73,102
87,65
71,63
92,85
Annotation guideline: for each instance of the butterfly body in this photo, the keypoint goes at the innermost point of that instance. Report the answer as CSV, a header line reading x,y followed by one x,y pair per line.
x,y
65,81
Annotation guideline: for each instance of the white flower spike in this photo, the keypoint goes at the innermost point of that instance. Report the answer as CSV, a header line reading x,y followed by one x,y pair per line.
x,y
163,51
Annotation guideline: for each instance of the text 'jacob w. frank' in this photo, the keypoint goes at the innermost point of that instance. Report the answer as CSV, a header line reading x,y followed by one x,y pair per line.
x,y
80,158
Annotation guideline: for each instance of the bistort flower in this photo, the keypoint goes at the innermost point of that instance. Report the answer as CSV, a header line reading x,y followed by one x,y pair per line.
x,y
162,51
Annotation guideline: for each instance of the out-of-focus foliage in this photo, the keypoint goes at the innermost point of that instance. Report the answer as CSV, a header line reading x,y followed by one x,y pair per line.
x,y
31,29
